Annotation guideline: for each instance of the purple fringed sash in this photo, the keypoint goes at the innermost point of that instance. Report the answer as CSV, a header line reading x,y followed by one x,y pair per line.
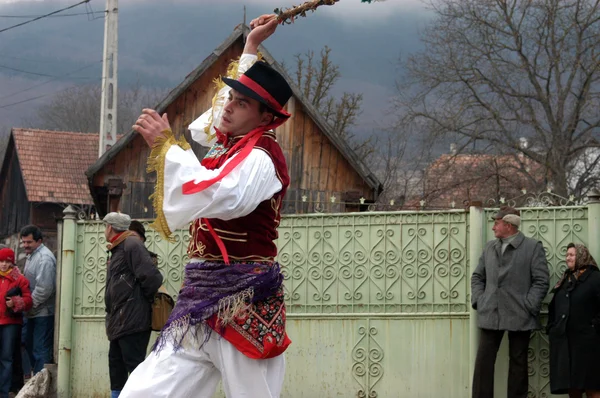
x,y
208,285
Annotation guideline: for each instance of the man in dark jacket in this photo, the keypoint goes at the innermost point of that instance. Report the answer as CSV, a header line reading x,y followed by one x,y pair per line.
x,y
507,290
131,283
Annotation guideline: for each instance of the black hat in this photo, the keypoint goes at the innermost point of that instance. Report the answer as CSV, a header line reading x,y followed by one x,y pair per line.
x,y
138,227
264,84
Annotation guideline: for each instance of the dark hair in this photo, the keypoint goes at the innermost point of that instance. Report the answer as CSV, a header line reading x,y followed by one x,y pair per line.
x,y
264,108
138,227
570,245
33,230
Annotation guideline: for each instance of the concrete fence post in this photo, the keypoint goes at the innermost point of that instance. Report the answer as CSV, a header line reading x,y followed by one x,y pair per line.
x,y
476,242
66,302
594,223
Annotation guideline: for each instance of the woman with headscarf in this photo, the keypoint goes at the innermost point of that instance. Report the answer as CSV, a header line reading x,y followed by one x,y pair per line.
x,y
574,327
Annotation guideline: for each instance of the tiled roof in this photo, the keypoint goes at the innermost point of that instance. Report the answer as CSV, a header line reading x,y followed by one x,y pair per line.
x,y
479,177
53,164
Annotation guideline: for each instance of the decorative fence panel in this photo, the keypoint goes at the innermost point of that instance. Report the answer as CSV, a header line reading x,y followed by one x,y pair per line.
x,y
381,263
378,303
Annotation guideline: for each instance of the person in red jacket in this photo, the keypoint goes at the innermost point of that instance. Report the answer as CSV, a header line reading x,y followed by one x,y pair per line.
x,y
15,298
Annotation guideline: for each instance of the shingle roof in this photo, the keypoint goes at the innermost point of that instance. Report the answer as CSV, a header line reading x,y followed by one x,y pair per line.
x,y
53,164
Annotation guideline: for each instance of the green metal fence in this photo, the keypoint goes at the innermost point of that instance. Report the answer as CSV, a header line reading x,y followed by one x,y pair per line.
x,y
378,303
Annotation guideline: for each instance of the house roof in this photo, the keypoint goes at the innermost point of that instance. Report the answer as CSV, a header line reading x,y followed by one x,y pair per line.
x,y
52,164
243,30
480,176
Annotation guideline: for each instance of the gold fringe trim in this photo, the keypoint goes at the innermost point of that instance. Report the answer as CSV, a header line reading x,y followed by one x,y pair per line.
x,y
231,306
156,163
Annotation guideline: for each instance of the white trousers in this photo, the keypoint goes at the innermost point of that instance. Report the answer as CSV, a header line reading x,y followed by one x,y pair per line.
x,y
192,372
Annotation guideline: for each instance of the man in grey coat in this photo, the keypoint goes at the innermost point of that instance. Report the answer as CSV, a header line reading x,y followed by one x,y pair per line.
x,y
40,271
507,289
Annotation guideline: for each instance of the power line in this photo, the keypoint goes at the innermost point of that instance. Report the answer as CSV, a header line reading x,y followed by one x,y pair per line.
x,y
53,16
38,97
21,102
51,80
44,16
46,61
25,71
29,72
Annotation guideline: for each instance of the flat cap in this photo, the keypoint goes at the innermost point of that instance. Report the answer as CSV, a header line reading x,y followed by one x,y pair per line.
x,y
119,221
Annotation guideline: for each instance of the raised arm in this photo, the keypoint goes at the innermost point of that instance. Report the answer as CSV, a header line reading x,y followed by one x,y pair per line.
x,y
237,194
203,128
152,128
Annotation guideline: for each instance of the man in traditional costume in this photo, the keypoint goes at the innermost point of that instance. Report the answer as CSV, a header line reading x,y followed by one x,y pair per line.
x,y
229,320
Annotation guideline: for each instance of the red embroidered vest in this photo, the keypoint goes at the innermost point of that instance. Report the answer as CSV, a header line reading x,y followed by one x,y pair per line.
x,y
260,332
249,238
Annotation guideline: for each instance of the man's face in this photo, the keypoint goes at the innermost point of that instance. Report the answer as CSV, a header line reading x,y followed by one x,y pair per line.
x,y
502,229
241,115
29,244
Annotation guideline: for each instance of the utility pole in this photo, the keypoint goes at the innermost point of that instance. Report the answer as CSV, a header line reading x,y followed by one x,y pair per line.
x,y
108,111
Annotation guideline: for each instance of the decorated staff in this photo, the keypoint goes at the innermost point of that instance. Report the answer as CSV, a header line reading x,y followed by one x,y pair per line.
x,y
288,15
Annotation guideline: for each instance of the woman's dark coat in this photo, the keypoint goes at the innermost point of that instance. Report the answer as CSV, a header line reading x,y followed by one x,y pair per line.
x,y
574,334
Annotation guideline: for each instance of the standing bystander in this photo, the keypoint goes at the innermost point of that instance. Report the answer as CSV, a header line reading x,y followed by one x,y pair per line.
x,y
131,283
40,271
507,289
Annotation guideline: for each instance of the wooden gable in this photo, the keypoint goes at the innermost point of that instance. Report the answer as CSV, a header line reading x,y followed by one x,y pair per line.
x,y
320,166
15,208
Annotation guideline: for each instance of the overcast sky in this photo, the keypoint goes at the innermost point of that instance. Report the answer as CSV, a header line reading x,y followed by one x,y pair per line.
x,y
162,41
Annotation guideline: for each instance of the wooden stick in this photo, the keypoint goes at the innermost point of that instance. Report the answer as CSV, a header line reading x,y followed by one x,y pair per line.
x,y
288,16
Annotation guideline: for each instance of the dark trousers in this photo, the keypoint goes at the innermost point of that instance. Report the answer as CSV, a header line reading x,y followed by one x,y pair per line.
x,y
39,341
9,334
483,377
124,355
17,375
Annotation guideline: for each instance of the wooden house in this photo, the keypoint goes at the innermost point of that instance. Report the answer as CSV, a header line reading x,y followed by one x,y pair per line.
x,y
324,170
42,173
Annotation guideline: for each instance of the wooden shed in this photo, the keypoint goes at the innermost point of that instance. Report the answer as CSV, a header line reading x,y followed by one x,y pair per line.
x,y
41,174
326,175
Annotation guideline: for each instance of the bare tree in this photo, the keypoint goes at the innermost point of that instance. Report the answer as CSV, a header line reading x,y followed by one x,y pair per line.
x,y
494,71
316,78
78,108
400,160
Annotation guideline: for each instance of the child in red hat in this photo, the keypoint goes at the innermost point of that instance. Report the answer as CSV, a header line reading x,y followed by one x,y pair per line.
x,y
15,298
